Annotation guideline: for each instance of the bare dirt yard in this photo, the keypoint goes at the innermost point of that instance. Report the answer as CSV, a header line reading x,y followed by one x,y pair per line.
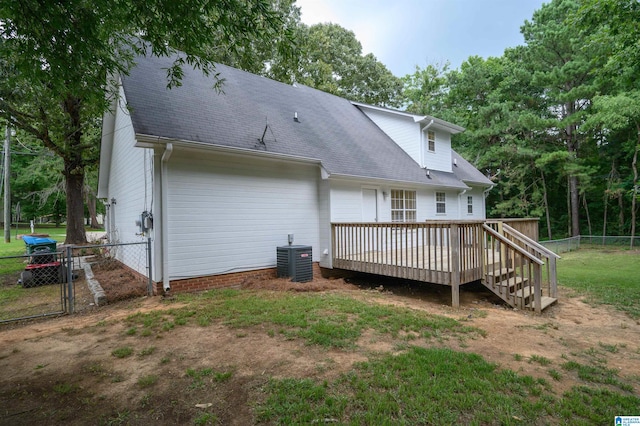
x,y
64,371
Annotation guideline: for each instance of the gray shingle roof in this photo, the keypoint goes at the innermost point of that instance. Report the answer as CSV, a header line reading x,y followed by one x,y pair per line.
x,y
329,128
467,173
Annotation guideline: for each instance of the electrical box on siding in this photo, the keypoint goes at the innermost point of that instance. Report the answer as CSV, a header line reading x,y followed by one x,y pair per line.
x,y
295,261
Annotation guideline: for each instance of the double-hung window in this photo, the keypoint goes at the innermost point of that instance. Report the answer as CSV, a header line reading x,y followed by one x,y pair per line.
x,y
441,202
403,205
431,141
469,204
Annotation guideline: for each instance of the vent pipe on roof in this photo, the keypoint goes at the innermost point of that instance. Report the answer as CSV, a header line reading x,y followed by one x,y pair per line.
x,y
295,117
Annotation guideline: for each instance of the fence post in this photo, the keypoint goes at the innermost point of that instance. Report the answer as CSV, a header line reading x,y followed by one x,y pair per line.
x,y
149,268
70,279
454,244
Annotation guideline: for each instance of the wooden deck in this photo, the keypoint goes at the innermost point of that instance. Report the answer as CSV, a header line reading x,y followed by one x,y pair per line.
x,y
430,251
447,253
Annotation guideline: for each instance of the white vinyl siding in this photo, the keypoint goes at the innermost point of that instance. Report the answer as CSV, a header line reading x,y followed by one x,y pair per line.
x,y
130,182
403,130
440,157
229,213
403,205
475,210
346,202
324,226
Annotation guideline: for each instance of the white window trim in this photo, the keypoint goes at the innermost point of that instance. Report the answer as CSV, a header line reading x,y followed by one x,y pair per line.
x,y
428,140
404,208
443,203
470,204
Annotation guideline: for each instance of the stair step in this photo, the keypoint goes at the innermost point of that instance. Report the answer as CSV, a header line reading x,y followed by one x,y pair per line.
x,y
525,292
500,272
546,302
496,276
513,283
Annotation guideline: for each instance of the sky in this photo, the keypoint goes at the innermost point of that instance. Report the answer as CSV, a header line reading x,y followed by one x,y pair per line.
x,y
406,33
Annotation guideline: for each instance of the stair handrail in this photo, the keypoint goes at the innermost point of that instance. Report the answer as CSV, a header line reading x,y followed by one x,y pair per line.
x,y
537,270
511,244
550,255
530,241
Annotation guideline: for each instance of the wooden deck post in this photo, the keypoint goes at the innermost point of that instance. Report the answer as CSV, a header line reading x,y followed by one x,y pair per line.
x,y
454,244
553,279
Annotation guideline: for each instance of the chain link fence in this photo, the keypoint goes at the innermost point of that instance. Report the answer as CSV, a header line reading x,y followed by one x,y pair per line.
x,y
574,243
49,282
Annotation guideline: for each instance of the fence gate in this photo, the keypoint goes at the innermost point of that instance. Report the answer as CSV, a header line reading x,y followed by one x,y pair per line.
x,y
35,285
45,282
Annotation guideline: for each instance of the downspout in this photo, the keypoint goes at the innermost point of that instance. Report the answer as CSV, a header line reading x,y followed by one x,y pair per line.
x,y
485,194
164,223
460,194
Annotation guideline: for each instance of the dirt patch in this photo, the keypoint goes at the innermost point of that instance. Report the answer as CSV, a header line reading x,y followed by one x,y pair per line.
x,y
118,282
64,370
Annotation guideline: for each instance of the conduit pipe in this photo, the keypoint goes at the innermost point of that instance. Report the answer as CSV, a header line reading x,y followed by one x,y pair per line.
x,y
168,150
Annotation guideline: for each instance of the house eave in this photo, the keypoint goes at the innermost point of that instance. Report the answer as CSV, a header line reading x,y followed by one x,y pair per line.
x,y
474,183
452,128
383,181
150,141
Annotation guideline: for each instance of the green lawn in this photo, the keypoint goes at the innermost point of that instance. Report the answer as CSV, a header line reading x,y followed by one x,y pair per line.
x,y
417,384
418,381
16,246
605,276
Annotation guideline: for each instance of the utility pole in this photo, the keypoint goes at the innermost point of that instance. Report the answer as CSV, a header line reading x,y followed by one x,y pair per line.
x,y
7,187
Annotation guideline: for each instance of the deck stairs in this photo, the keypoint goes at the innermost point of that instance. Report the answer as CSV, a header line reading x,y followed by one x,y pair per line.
x,y
519,270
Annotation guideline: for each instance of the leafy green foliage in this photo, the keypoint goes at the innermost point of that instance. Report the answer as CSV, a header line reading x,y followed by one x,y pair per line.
x,y
332,60
56,57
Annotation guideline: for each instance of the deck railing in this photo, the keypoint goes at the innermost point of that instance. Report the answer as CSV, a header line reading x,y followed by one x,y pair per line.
x,y
508,261
512,272
440,252
526,226
549,278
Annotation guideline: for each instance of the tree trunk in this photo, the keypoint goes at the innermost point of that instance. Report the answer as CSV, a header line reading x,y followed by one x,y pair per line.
x,y
574,202
546,204
604,221
74,173
586,209
91,206
634,166
621,214
574,191
568,207
75,207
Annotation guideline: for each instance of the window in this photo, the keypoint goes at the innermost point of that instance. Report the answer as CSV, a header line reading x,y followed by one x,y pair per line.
x,y
441,202
470,204
403,205
431,141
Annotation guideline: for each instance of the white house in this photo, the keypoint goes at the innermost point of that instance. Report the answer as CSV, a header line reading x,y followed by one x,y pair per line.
x,y
221,179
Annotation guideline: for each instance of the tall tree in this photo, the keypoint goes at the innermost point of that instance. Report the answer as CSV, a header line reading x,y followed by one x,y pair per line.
x,y
564,70
332,60
616,23
56,56
425,90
